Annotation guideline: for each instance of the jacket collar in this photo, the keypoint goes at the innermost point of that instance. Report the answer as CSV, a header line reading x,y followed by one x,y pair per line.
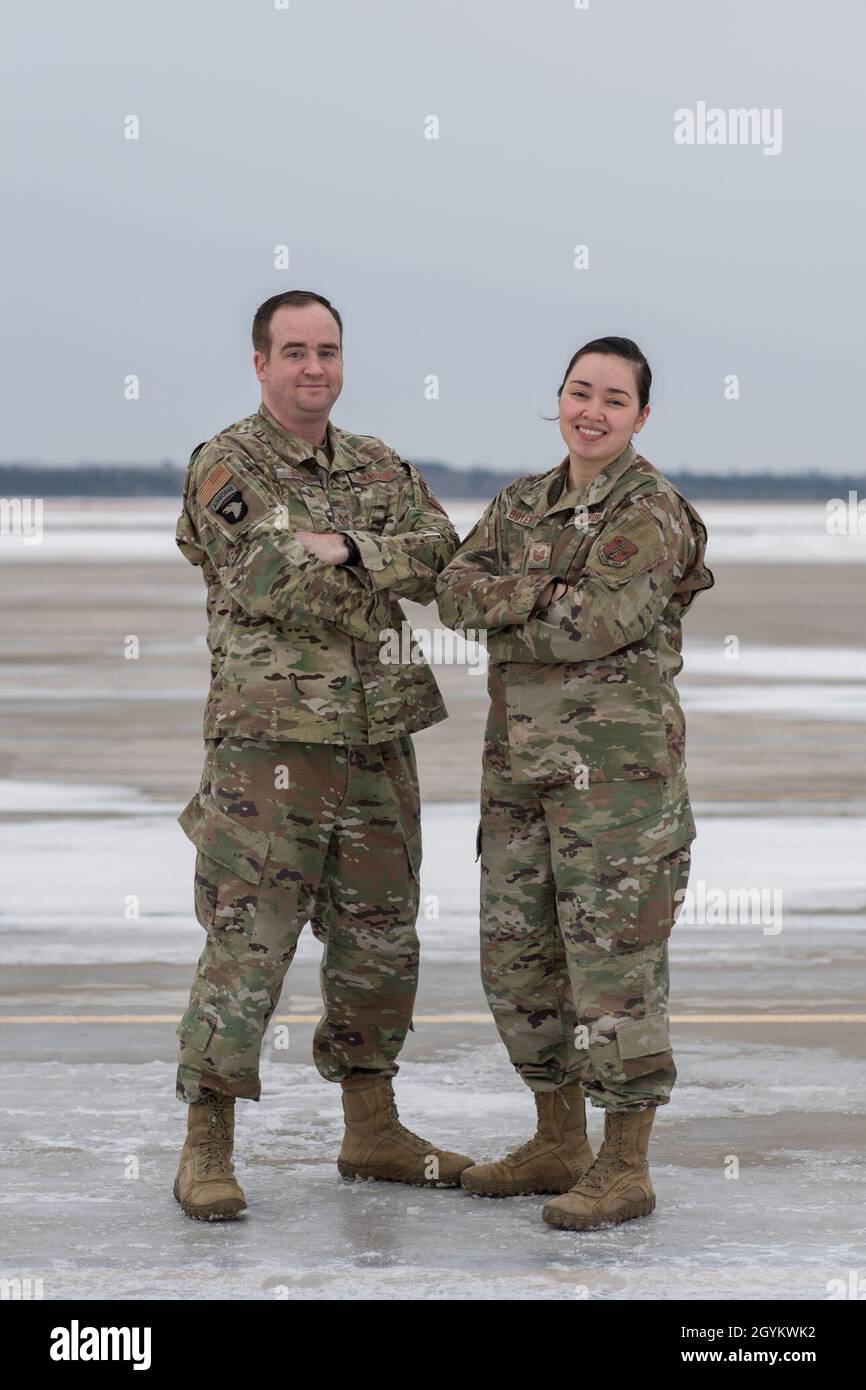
x,y
293,449
539,491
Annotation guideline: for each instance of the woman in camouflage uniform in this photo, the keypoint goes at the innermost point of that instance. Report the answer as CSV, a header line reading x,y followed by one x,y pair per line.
x,y
580,577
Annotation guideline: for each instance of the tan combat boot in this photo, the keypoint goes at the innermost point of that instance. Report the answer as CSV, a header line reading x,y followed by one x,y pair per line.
x,y
617,1186
376,1145
206,1186
556,1155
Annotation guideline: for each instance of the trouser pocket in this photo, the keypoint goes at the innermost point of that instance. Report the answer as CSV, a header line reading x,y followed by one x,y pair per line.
x,y
640,1047
620,889
231,874
197,1027
639,870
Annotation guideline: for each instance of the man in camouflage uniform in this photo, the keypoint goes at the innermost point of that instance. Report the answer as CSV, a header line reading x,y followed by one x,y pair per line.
x,y
585,819
308,807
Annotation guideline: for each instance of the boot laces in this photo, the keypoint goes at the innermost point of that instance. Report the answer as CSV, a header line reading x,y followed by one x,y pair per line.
x,y
215,1156
538,1141
610,1157
396,1127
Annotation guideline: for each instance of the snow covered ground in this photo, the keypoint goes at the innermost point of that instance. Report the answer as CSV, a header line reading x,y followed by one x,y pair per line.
x,y
98,945
92,1131
143,530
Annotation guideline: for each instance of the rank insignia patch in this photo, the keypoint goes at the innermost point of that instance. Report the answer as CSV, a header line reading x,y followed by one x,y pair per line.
x,y
539,555
618,550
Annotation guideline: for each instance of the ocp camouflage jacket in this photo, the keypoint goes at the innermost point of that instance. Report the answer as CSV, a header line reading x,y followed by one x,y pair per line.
x,y
590,684
294,642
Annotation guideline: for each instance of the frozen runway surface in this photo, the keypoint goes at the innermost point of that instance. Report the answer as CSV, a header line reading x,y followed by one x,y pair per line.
x,y
98,945
768,1035
790,1223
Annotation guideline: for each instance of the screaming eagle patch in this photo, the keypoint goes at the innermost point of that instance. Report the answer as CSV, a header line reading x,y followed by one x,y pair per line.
x,y
230,499
229,503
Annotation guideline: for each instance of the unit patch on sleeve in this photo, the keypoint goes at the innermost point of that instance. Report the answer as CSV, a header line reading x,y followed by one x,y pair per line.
x,y
231,500
617,551
229,503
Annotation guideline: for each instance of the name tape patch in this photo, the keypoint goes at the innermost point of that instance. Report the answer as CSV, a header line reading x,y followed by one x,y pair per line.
x,y
294,473
380,475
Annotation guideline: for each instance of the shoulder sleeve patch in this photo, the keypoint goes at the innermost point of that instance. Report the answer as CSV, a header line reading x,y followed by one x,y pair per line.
x,y
629,545
617,551
229,499
214,480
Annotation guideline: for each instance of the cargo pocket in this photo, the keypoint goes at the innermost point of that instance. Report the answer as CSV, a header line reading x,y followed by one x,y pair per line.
x,y
639,869
642,1043
197,1027
229,866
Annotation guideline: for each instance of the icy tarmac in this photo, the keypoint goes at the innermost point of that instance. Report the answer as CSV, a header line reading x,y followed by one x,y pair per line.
x,y
768,1036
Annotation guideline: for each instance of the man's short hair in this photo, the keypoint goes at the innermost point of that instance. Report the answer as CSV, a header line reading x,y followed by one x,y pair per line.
x,y
292,299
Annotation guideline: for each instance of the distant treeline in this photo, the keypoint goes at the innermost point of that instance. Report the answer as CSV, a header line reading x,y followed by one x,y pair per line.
x,y
166,480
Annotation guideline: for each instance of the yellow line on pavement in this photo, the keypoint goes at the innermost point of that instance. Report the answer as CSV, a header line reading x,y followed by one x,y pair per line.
x,y
432,1018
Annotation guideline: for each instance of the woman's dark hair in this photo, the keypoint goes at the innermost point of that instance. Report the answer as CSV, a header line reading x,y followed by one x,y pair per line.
x,y
617,347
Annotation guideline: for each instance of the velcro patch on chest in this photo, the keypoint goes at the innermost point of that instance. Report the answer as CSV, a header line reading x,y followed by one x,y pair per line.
x,y
617,551
582,517
342,516
295,474
521,517
380,475
539,555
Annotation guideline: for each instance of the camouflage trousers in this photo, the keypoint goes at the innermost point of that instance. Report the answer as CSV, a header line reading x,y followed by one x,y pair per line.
x,y
578,898
288,833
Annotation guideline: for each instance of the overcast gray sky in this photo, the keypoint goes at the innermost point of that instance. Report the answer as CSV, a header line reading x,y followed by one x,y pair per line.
x,y
305,127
